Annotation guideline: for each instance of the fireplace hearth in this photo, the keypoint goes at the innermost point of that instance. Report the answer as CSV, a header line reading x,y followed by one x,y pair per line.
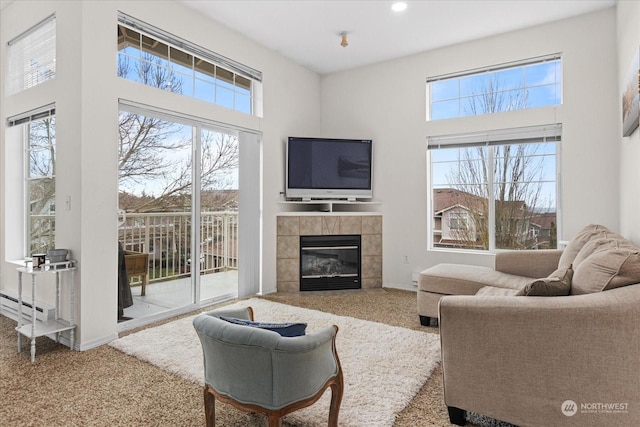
x,y
330,262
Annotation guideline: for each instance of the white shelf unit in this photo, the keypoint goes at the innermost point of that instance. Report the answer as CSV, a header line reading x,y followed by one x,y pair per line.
x,y
35,327
328,206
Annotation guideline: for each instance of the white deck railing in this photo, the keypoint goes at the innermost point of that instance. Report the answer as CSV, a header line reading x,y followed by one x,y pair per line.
x,y
166,237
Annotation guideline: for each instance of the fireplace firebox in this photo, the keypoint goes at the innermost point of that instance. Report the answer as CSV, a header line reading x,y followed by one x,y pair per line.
x,y
330,262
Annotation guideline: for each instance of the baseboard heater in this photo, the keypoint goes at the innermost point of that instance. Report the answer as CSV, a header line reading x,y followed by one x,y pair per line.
x,y
9,307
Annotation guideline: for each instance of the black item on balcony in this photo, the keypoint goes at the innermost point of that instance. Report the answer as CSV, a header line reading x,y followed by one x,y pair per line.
x,y
125,299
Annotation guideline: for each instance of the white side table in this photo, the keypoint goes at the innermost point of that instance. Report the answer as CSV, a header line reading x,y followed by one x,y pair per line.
x,y
54,326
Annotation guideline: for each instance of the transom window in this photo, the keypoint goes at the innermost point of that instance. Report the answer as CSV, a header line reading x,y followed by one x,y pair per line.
x,y
495,191
151,56
516,86
32,57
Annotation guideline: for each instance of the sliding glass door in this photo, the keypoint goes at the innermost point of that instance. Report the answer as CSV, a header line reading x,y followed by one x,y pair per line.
x,y
178,194
218,214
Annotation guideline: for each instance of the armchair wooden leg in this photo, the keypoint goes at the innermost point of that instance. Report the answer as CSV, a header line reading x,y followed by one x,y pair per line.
x,y
337,390
274,419
209,408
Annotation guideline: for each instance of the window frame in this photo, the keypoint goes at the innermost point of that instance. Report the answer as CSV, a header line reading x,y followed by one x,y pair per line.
x,y
234,85
490,140
24,122
491,72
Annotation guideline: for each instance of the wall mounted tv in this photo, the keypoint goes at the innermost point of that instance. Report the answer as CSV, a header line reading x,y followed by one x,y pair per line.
x,y
324,168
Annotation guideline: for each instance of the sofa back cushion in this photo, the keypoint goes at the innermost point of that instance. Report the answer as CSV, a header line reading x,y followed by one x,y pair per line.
x,y
605,242
591,231
611,265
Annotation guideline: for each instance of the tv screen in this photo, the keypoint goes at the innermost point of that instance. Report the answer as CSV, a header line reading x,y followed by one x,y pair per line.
x,y
328,168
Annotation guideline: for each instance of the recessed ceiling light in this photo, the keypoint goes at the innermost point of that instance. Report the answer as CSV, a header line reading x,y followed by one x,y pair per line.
x,y
399,6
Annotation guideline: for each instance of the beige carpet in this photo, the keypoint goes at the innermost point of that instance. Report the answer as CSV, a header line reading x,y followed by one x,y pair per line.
x,y
384,366
105,387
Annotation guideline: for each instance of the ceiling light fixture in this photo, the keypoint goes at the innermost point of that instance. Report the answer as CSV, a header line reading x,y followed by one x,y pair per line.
x,y
344,42
399,6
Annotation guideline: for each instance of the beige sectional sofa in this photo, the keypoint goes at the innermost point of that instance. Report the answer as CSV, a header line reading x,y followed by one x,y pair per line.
x,y
536,349
513,271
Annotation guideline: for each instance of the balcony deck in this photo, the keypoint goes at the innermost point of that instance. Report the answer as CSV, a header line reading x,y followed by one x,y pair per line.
x,y
162,296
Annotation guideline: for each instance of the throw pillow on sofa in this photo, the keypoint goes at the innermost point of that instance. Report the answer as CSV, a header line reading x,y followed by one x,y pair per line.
x,y
607,268
557,284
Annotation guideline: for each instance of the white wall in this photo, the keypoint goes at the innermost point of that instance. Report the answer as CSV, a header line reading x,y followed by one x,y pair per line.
x,y
628,44
386,102
86,91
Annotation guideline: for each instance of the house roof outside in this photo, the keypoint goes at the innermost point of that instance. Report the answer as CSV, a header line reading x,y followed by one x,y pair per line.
x,y
447,198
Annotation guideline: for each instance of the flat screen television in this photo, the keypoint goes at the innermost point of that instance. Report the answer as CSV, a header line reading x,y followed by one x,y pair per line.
x,y
325,168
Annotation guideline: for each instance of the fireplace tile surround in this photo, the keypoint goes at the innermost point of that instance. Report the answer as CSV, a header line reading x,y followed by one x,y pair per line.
x,y
291,227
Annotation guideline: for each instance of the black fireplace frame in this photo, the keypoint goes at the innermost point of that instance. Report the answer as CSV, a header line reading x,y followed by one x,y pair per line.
x,y
332,282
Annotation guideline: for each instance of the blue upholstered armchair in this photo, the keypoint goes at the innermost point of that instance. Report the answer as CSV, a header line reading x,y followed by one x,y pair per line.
x,y
258,370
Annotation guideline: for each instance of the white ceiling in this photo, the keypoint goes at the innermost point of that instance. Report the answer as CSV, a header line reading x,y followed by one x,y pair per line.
x,y
307,31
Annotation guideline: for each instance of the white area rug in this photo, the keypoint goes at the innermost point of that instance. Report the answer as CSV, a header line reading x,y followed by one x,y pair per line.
x,y
384,366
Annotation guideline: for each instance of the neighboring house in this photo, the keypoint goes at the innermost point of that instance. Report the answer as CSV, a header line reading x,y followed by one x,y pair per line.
x,y
458,222
453,223
543,228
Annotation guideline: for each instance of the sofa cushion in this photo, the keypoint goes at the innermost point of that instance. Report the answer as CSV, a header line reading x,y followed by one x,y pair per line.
x,y
460,279
284,329
607,268
557,284
591,246
606,240
589,232
492,291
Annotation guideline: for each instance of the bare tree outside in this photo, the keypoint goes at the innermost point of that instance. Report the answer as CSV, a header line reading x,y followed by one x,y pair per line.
x,y
148,147
517,175
156,181
517,181
496,94
41,184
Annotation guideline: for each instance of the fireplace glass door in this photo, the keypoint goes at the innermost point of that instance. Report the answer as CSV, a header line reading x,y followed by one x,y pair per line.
x,y
329,262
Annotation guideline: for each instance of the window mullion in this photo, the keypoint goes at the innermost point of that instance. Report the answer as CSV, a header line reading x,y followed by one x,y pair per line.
x,y
196,203
492,198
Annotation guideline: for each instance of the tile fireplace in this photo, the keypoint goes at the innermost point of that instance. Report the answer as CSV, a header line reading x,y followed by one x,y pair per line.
x,y
341,266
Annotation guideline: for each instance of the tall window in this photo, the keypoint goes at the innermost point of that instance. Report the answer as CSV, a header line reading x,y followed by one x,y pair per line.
x,y
32,57
517,86
153,57
497,190
38,130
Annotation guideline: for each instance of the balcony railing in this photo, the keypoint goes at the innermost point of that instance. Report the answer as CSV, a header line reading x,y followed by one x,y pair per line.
x,y
166,237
